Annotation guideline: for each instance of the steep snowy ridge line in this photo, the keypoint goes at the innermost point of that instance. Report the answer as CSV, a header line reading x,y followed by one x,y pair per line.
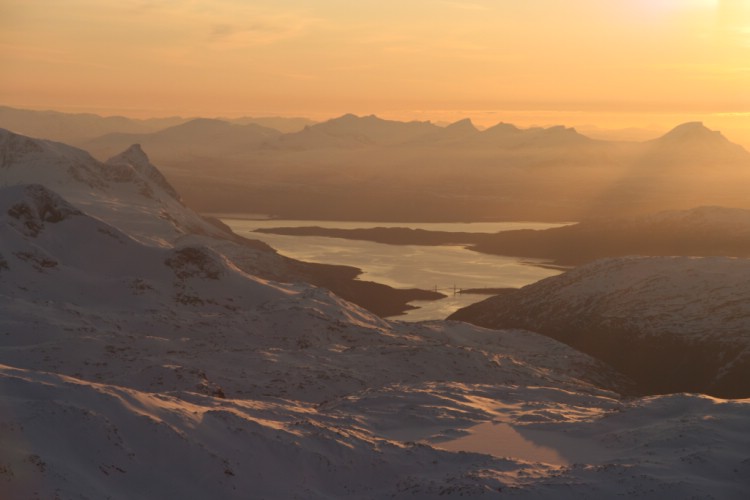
x,y
129,192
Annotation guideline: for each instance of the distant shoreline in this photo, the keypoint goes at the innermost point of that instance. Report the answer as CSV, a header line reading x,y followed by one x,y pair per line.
x,y
371,221
563,247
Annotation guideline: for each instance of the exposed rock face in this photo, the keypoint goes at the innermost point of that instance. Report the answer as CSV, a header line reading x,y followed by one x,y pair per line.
x,y
35,206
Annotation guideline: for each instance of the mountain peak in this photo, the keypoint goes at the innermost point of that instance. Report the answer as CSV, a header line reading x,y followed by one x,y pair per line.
x,y
136,158
691,131
348,117
464,125
135,154
696,125
502,128
371,129
694,138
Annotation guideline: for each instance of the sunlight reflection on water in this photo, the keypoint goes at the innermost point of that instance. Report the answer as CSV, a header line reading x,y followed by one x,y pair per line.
x,y
521,442
502,440
410,266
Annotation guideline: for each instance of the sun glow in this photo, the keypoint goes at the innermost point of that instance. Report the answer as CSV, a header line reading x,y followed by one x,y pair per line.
x,y
662,6
540,57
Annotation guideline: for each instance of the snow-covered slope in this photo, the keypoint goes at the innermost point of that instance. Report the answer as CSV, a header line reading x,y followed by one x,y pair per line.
x,y
67,438
74,273
127,191
672,323
130,369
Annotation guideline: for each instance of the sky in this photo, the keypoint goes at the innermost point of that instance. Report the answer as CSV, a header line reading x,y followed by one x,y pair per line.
x,y
611,63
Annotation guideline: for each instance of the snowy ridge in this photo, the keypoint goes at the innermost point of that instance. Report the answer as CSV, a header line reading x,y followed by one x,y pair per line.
x,y
140,360
135,158
128,191
673,323
133,196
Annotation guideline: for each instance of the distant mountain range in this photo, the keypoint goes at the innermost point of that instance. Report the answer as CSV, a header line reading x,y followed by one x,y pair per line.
x,y
219,138
200,137
368,168
82,127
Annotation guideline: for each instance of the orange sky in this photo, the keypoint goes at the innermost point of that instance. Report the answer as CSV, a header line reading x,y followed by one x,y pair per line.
x,y
615,63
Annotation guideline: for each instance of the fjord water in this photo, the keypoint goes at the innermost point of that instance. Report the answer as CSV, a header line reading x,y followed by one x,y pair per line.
x,y
409,266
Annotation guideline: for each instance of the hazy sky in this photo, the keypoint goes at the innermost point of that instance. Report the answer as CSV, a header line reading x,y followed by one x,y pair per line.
x,y
533,60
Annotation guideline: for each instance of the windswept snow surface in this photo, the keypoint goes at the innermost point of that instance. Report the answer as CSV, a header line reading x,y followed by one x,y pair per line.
x,y
672,323
137,360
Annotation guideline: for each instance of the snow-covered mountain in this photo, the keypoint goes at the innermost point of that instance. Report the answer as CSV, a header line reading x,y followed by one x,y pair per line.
x,y
139,359
127,191
671,323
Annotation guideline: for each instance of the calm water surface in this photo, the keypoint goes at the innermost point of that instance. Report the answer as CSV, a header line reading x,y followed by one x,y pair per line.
x,y
503,440
409,266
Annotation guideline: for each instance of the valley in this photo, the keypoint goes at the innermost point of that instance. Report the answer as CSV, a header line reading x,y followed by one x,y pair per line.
x,y
450,268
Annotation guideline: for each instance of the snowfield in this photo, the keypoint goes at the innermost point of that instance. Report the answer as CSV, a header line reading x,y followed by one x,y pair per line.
x,y
141,357
674,324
